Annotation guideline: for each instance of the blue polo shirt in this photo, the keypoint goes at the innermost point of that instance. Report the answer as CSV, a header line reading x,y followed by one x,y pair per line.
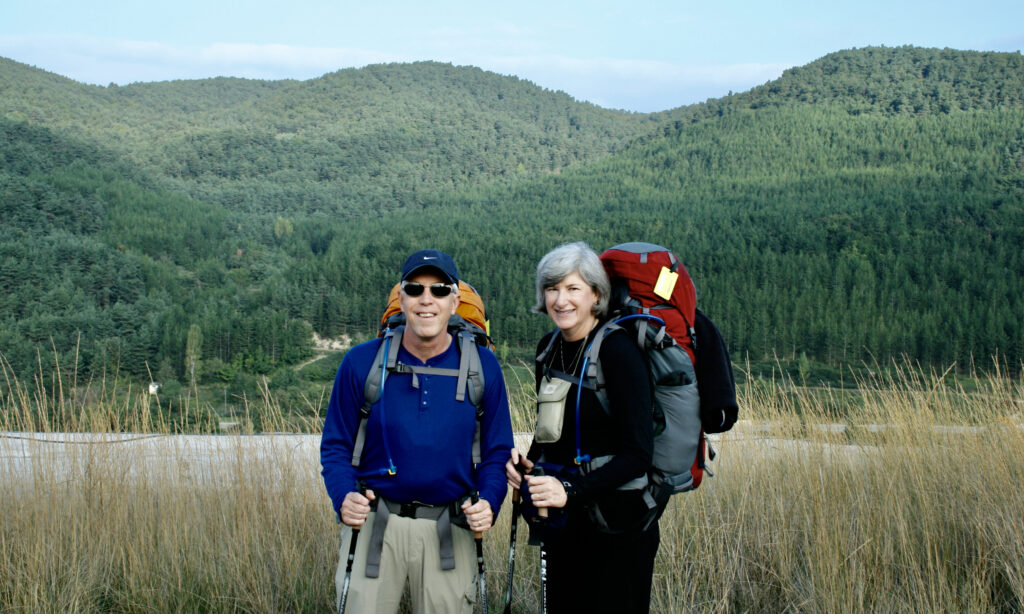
x,y
428,433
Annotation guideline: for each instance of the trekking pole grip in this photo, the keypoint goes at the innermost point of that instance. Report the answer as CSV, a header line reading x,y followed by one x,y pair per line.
x,y
521,470
542,512
475,498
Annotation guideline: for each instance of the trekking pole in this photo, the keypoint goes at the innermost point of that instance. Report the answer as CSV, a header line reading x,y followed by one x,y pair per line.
x,y
478,536
542,516
511,552
348,563
512,544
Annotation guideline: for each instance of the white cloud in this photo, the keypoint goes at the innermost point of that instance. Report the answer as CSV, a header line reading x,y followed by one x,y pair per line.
x,y
102,61
636,84
640,70
291,57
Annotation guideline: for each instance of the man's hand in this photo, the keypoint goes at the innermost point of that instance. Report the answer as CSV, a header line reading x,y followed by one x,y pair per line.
x,y
478,515
356,507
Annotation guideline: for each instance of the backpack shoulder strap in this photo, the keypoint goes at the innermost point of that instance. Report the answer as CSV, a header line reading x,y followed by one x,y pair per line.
x,y
384,361
471,380
594,375
547,350
471,370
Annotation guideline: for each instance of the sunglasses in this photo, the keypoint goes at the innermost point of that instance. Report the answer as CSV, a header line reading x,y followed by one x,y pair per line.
x,y
414,289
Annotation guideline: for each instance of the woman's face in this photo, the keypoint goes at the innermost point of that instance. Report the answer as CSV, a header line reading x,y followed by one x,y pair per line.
x,y
570,305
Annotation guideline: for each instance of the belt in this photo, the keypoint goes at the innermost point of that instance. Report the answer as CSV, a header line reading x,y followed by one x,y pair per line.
x,y
411,510
441,513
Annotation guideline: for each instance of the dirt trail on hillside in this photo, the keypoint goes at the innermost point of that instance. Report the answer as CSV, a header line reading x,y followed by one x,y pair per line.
x,y
324,346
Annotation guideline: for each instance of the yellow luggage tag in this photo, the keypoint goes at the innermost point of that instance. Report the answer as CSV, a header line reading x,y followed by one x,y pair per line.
x,y
666,283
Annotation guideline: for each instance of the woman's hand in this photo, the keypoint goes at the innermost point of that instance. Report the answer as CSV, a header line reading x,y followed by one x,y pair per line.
x,y
547,491
512,466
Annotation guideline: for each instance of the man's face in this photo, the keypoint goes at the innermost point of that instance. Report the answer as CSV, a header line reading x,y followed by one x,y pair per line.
x,y
426,316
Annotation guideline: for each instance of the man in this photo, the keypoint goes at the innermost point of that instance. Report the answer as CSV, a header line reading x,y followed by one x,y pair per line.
x,y
415,476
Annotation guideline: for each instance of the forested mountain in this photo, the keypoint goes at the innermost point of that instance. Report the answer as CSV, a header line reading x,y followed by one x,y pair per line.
x,y
866,205
111,275
848,229
351,143
902,81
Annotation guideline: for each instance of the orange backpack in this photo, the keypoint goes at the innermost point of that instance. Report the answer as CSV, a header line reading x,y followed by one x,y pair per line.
x,y
470,311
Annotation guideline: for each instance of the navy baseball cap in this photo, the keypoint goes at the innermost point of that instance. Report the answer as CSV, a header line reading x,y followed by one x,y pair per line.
x,y
431,259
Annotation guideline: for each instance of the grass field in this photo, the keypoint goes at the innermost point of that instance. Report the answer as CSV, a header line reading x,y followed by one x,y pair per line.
x,y
907,500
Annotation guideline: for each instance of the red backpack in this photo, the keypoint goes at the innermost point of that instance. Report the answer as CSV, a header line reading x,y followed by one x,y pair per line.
x,y
653,299
649,279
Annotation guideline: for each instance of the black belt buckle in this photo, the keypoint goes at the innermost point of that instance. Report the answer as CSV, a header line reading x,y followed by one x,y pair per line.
x,y
408,510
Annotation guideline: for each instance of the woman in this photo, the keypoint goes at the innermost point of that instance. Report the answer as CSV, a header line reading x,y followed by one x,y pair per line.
x,y
590,568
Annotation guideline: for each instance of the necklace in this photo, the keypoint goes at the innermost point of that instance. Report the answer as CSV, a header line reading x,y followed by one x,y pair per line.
x,y
575,361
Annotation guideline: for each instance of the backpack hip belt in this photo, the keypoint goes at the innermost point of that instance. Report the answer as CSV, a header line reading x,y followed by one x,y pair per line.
x,y
639,483
442,514
642,485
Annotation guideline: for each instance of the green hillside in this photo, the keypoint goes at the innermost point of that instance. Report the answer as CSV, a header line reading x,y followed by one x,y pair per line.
x,y
806,230
842,230
867,205
101,271
900,81
350,143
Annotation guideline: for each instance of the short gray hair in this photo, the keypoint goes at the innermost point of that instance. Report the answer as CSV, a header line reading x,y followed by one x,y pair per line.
x,y
571,258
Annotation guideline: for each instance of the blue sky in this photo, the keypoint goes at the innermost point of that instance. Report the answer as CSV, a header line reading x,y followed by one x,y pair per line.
x,y
640,56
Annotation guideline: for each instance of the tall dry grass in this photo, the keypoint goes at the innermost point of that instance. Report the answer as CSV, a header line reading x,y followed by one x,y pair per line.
x,y
912,503
139,517
900,495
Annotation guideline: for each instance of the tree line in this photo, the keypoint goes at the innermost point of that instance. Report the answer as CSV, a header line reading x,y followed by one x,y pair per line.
x,y
816,217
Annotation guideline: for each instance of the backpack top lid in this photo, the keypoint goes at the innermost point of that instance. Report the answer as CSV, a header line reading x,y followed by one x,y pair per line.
x,y
470,309
655,280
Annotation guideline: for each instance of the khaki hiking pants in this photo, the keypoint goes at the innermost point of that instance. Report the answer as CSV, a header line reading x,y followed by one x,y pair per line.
x,y
410,553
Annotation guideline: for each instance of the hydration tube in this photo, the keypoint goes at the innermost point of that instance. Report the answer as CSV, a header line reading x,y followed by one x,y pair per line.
x,y
390,469
580,457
